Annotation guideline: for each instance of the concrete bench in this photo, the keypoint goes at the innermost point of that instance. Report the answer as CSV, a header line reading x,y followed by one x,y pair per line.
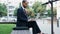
x,y
20,30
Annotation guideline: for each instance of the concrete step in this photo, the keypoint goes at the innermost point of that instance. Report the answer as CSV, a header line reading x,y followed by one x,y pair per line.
x,y
20,32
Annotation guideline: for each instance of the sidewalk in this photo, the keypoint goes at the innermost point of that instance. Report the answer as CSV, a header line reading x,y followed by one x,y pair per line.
x,y
46,27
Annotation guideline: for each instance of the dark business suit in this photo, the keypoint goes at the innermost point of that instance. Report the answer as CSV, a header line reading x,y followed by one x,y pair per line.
x,y
21,17
22,20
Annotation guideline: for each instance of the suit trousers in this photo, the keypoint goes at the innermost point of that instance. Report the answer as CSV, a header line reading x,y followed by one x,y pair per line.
x,y
30,24
35,27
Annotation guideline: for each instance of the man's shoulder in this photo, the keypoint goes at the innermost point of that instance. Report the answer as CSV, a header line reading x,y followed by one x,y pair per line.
x,y
20,9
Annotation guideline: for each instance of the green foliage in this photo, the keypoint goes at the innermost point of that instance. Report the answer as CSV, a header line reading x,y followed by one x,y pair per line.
x,y
3,10
38,7
49,13
54,12
15,11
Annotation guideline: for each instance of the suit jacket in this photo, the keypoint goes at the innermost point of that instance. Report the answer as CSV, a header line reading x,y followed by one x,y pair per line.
x,y
21,15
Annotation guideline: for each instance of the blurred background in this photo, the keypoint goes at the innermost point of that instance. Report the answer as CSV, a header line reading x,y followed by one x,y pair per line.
x,y
42,14
8,9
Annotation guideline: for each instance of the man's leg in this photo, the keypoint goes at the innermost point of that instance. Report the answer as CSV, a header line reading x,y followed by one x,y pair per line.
x,y
35,27
21,24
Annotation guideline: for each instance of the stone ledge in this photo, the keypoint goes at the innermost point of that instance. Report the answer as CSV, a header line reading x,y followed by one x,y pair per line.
x,y
20,32
21,28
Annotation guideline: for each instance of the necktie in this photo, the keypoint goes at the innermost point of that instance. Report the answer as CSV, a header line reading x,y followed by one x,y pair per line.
x,y
25,12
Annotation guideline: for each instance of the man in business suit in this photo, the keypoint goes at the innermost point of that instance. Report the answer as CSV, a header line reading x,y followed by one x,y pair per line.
x,y
22,19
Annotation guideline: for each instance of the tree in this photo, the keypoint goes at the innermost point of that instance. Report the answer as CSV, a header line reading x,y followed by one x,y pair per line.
x,y
3,10
39,8
54,12
49,13
15,11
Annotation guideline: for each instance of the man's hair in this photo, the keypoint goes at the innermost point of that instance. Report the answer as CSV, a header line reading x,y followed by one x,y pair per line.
x,y
24,1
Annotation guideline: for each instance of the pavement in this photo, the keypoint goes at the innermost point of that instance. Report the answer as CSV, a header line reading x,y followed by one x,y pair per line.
x,y
45,26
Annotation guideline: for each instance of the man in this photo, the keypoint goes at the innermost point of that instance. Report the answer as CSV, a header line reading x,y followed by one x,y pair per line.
x,y
23,18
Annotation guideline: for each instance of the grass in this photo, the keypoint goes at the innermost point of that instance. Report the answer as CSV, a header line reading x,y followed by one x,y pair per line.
x,y
6,28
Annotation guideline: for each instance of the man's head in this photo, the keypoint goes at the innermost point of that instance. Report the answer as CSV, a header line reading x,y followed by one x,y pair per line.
x,y
24,3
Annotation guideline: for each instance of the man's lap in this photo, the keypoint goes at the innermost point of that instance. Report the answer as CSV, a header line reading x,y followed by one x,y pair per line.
x,y
31,23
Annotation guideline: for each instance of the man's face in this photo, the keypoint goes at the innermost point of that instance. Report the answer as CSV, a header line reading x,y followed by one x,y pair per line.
x,y
25,4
